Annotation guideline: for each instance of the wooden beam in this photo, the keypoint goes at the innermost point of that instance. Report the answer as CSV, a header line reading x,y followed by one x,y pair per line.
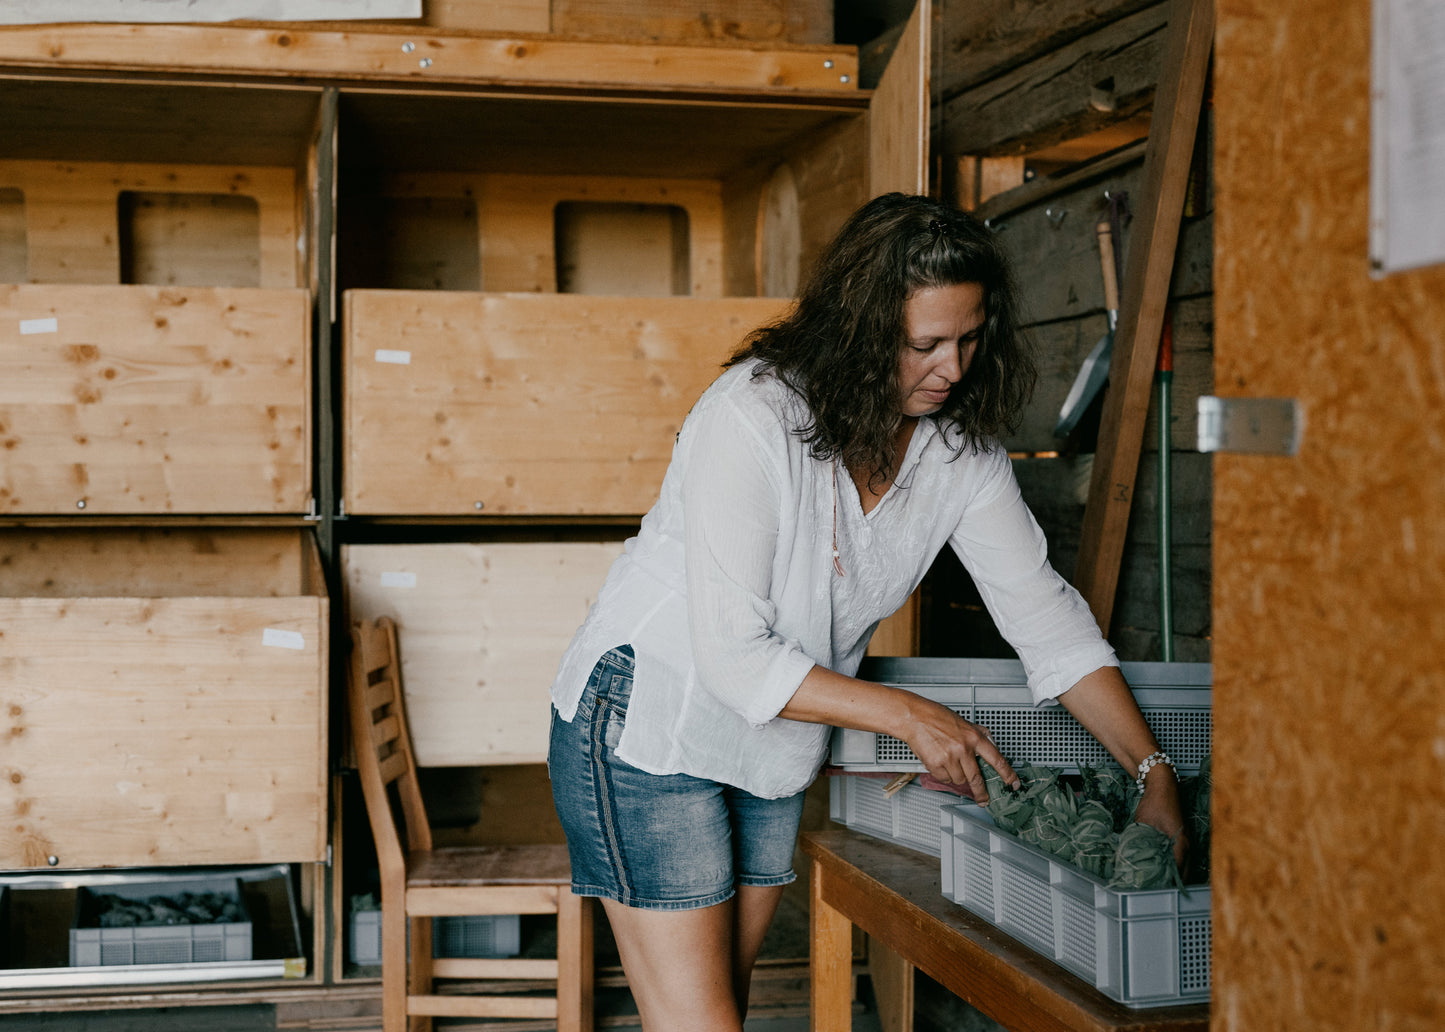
x,y
1145,292
422,57
984,39
1105,77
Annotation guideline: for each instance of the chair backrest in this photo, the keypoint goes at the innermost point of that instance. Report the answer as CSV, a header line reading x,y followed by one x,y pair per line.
x,y
382,743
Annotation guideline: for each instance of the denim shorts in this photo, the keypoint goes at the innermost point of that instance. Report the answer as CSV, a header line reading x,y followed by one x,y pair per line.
x,y
656,841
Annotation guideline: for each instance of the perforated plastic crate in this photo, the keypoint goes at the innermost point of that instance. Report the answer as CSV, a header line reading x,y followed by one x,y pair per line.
x,y
1143,948
1175,697
475,936
92,946
907,818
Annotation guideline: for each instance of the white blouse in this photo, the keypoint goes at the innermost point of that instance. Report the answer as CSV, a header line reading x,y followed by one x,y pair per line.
x,y
729,596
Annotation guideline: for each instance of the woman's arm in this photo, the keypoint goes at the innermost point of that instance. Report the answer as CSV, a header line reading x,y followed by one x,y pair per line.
x,y
948,745
1102,702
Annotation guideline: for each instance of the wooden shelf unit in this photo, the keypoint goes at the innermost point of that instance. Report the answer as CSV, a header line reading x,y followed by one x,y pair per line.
x,y
307,198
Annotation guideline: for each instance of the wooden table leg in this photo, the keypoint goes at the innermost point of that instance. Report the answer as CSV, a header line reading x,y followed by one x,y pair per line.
x,y
832,963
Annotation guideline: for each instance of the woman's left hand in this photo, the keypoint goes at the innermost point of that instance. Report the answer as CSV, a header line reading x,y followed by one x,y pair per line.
x,y
1159,808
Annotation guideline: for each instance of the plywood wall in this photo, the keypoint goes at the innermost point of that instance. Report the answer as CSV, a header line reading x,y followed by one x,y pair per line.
x,y
1329,567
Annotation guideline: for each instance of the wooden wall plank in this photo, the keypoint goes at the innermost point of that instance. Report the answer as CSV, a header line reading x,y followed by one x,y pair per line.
x,y
986,38
154,400
291,52
495,404
1329,566
480,629
1104,77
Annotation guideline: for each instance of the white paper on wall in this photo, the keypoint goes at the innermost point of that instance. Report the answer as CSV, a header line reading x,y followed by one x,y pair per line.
x,y
36,12
1407,135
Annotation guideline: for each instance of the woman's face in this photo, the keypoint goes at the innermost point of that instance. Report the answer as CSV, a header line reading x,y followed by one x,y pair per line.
x,y
943,326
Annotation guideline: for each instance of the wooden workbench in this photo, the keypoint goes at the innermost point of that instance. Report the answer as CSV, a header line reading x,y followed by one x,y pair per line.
x,y
893,894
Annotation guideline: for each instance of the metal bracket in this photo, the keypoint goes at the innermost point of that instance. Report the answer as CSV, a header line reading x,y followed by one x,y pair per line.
x,y
1256,426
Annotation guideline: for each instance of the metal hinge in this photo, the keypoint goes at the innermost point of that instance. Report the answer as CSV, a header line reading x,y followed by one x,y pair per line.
x,y
1257,426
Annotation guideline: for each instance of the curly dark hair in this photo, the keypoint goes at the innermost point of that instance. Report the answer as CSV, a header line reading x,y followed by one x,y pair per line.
x,y
839,345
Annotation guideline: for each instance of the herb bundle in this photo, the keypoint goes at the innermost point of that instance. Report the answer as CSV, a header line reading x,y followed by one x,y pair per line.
x,y
1095,829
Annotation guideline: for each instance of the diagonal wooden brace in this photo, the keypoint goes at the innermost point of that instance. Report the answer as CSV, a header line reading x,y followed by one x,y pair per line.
x,y
1167,159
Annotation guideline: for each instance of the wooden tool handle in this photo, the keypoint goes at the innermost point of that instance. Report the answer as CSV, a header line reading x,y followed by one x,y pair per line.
x,y
1106,258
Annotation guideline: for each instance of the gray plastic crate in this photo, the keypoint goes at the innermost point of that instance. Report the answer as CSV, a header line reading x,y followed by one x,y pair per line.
x,y
1175,698
907,818
1143,948
163,944
475,936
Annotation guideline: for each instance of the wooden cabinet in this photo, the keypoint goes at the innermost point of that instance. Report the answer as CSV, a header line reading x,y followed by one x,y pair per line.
x,y
163,698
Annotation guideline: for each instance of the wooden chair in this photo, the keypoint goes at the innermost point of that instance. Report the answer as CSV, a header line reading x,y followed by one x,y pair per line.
x,y
419,882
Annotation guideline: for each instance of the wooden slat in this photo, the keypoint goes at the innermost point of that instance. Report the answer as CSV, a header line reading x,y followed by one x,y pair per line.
x,y
380,694
393,767
467,425
1145,292
361,55
385,730
483,1006
491,899
450,967
480,630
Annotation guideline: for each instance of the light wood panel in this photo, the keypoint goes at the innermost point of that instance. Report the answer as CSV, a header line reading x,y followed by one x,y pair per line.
x,y
898,112
480,629
516,229
483,404
71,214
1329,566
154,400
789,21
143,731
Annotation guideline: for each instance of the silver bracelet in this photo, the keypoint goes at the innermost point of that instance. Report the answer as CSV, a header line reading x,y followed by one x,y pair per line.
x,y
1150,762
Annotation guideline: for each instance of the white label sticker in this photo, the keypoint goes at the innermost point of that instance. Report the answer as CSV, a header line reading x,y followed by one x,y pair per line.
x,y
28,326
282,639
398,580
394,357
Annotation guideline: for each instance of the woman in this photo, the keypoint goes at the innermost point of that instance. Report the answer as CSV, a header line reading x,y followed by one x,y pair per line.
x,y
810,489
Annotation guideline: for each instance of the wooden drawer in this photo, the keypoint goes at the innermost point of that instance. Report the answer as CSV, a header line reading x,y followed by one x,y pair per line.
x,y
162,697
480,629
478,403
143,399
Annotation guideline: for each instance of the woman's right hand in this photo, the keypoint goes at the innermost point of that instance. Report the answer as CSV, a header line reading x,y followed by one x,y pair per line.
x,y
950,747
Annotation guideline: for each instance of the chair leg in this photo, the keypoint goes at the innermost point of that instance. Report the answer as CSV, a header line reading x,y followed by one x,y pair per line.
x,y
420,969
575,916
393,967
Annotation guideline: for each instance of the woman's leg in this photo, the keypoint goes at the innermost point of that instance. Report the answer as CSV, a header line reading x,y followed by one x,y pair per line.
x,y
753,913
679,966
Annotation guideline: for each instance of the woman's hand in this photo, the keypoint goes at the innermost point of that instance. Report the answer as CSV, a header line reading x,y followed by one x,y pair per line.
x,y
950,747
1159,808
